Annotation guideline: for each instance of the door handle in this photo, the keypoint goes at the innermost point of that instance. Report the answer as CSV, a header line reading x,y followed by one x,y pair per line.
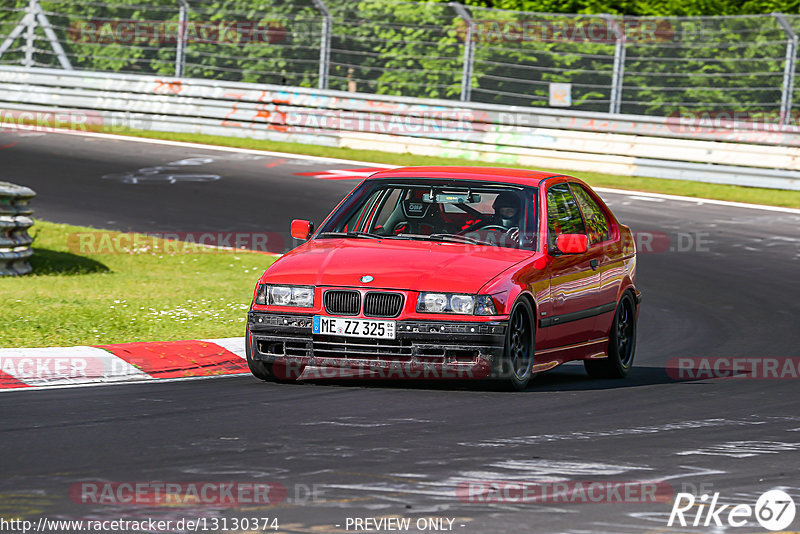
x,y
594,264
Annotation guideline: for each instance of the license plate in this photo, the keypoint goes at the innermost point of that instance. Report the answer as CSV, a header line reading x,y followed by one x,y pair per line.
x,y
337,326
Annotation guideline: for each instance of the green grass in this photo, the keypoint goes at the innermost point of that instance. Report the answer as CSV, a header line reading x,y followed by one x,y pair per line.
x,y
164,293
754,195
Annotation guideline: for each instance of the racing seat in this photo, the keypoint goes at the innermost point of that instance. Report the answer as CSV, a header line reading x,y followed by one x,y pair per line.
x,y
420,218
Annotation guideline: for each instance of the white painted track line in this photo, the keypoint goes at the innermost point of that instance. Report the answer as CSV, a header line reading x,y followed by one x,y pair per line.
x,y
338,161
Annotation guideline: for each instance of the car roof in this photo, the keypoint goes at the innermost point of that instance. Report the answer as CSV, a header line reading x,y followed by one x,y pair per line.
x,y
485,174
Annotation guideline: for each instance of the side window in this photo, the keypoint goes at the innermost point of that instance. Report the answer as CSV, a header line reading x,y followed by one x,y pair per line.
x,y
593,215
356,221
528,237
387,208
563,215
350,224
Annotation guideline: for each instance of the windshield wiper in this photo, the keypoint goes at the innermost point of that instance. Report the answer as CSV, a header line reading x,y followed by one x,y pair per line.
x,y
362,235
460,239
454,238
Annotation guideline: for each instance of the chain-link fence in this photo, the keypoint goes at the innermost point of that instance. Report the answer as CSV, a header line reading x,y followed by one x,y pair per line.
x,y
741,68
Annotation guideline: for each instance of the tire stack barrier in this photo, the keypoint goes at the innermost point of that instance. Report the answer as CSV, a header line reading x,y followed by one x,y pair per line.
x,y
15,242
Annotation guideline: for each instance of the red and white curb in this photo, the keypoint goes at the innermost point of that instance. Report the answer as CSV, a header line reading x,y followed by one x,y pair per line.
x,y
120,363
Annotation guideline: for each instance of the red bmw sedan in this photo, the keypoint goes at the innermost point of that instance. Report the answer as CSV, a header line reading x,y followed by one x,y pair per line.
x,y
451,272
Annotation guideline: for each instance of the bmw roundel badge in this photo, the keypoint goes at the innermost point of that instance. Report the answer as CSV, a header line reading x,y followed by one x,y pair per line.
x,y
366,279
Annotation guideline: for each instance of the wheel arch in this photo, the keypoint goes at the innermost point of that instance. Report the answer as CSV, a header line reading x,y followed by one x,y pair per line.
x,y
528,297
627,286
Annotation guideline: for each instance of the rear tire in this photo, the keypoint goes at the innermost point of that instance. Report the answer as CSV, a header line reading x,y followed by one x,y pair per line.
x,y
621,343
518,351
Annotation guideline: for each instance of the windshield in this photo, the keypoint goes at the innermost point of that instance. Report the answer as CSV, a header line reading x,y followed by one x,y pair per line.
x,y
478,213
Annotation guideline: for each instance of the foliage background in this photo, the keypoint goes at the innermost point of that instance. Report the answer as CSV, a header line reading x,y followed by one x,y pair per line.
x,y
407,48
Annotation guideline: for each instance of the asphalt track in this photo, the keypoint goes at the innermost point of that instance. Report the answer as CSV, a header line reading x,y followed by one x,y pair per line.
x,y
376,450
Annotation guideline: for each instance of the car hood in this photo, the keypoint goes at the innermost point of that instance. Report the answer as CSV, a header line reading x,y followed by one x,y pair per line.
x,y
393,264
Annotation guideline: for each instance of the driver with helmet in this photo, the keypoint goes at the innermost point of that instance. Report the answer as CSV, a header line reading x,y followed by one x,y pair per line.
x,y
507,213
506,210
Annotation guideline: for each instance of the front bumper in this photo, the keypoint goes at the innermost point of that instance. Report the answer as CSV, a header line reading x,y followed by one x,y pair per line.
x,y
422,349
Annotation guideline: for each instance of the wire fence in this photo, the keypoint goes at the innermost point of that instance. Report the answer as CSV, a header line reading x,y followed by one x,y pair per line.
x,y
738,68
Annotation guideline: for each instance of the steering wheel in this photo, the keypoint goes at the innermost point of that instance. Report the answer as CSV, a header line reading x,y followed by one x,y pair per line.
x,y
512,233
496,228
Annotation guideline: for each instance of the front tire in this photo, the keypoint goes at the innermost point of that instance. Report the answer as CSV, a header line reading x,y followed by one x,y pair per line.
x,y
517,364
268,372
260,369
621,343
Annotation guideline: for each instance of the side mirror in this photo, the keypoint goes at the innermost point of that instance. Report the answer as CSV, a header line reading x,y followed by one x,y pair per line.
x,y
302,229
572,243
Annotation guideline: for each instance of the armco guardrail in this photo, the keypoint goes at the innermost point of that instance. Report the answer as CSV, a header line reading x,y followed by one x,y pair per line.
x,y
729,153
15,243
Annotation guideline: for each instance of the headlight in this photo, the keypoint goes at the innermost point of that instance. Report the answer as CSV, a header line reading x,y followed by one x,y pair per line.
x,y
432,302
456,303
462,303
298,296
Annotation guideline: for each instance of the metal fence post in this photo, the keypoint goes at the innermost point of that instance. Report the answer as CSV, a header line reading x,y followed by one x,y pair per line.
x,y
325,44
180,51
15,33
33,14
469,51
30,36
788,68
47,28
618,73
